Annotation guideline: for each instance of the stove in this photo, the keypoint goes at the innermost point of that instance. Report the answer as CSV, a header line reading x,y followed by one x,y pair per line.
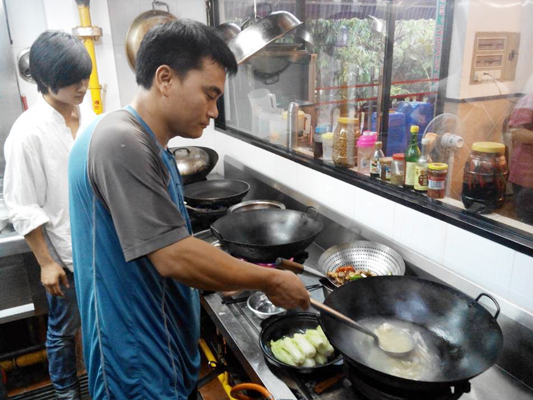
x,y
202,217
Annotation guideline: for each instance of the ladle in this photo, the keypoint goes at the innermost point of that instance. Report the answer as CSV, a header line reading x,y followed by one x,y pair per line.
x,y
350,322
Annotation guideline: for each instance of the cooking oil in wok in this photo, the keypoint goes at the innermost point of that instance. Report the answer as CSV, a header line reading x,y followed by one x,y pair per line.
x,y
421,365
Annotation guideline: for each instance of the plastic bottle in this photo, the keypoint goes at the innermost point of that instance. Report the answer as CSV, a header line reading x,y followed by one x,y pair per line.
x,y
375,162
421,168
365,150
318,149
412,154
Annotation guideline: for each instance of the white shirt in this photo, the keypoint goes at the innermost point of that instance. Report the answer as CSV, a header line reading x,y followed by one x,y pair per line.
x,y
36,177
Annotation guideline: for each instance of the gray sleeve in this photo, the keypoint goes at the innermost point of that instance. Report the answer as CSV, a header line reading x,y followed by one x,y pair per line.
x,y
129,177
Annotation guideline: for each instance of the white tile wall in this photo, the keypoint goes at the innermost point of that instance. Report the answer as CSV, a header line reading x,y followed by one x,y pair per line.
x,y
493,267
482,261
521,290
425,235
374,211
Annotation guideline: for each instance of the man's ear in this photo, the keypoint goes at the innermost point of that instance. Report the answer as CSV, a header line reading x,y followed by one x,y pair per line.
x,y
164,78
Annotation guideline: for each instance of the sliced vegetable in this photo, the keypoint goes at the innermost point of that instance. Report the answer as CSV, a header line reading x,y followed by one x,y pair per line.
x,y
308,350
316,339
320,359
309,363
280,353
293,350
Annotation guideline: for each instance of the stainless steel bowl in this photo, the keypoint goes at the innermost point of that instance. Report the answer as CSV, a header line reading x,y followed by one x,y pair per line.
x,y
255,205
374,257
261,306
257,36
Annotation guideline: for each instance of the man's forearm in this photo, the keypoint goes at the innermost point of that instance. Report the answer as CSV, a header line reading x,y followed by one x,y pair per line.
x,y
200,265
35,240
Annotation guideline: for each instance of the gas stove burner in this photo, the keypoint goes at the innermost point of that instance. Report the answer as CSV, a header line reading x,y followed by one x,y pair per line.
x,y
207,211
266,265
371,389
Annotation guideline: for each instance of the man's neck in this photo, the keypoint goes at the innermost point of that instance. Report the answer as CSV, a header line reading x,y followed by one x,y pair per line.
x,y
146,107
64,109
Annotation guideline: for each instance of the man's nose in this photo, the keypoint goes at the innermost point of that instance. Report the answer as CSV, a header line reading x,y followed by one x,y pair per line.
x,y
213,111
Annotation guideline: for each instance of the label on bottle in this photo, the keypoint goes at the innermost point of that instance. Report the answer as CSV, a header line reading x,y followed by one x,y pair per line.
x,y
436,185
421,178
410,173
375,167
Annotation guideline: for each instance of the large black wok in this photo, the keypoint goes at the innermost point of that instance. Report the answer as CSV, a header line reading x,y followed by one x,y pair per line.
x,y
264,235
215,193
467,337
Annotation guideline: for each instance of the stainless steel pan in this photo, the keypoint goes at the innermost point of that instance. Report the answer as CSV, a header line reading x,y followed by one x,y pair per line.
x,y
141,25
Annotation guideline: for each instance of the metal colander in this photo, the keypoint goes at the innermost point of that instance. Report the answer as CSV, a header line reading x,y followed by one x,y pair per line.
x,y
374,257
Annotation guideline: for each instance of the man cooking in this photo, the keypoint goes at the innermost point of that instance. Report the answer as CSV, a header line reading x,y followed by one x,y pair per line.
x,y
137,267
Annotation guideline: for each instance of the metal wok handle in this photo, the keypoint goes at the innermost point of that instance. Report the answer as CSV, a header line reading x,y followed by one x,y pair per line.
x,y
493,300
310,209
160,3
217,234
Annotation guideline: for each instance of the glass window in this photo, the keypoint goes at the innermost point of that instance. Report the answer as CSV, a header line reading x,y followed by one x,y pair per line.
x,y
367,71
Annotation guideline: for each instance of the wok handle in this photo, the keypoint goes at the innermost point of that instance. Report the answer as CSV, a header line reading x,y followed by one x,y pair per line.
x,y
310,209
493,300
290,266
342,318
217,234
160,3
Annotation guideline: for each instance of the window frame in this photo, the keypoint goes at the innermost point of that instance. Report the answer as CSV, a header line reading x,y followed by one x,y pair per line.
x,y
495,231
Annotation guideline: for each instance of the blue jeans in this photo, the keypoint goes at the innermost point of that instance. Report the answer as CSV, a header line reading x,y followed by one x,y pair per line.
x,y
63,324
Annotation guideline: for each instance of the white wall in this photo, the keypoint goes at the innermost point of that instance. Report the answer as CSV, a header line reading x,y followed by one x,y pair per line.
x,y
492,267
473,16
29,18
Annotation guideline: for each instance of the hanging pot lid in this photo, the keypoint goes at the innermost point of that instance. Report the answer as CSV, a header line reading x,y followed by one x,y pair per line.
x,y
261,33
23,64
228,31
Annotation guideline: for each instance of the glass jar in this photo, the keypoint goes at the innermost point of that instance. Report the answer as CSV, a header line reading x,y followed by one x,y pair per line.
x,y
386,163
397,169
485,177
344,139
437,180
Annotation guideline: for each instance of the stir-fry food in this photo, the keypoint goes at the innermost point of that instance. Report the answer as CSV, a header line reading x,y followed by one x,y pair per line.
x,y
348,273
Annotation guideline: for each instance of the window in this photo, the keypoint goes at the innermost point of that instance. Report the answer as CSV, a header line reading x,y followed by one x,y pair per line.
x,y
457,70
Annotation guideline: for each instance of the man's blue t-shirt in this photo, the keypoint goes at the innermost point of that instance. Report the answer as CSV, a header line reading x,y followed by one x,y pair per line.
x,y
140,330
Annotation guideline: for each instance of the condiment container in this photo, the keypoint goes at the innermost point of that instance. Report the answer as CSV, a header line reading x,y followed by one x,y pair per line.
x,y
397,169
327,144
437,180
485,176
365,150
317,140
344,139
386,163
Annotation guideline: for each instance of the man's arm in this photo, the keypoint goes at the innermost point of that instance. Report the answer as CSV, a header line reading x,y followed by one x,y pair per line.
x,y
51,272
198,264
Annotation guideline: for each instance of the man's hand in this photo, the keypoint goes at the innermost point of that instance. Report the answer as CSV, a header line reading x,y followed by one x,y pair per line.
x,y
287,290
51,276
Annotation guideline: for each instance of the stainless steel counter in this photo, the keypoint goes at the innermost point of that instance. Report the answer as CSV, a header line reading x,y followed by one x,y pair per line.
x,y
242,328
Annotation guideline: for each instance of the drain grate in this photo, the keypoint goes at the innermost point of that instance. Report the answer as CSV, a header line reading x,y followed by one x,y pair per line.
x,y
47,392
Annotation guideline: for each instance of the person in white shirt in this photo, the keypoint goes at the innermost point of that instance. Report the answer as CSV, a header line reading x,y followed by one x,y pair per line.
x,y
36,189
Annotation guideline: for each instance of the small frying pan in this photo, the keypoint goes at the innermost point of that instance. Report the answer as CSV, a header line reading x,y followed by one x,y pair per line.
x,y
215,193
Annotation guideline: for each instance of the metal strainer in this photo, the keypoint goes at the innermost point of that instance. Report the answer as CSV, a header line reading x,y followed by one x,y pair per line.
x,y
374,257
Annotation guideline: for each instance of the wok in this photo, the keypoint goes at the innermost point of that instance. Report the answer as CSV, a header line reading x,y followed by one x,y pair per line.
x,y
277,327
264,235
141,25
466,336
215,193
194,163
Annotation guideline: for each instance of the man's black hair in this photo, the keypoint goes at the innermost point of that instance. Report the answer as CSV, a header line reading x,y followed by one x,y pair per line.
x,y
58,60
182,45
